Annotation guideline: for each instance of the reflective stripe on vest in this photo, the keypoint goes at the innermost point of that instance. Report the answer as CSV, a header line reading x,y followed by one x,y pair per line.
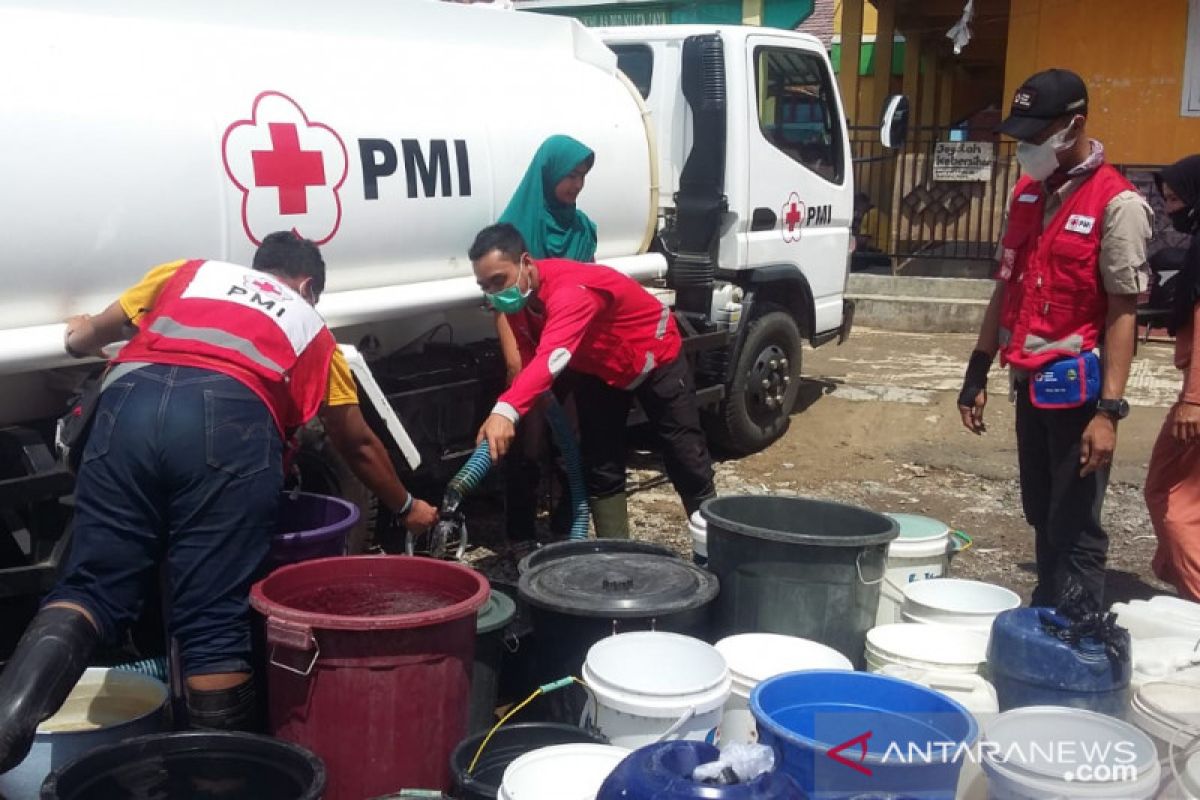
x,y
166,326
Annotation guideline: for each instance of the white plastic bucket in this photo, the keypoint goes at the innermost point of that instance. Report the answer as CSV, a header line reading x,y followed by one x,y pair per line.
x,y
1161,659
922,551
649,686
953,601
971,690
754,657
560,772
1160,616
698,531
943,648
1168,711
1053,752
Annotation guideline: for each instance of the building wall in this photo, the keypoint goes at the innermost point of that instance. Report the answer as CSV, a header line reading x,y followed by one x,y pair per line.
x,y
1130,54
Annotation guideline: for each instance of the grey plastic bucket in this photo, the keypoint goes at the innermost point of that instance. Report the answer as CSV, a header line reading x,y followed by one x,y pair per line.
x,y
797,566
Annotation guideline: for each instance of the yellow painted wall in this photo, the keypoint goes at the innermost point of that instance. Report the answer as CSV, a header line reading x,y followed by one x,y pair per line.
x,y
870,18
1131,56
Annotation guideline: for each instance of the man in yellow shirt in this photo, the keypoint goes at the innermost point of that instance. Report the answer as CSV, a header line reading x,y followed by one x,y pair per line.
x,y
184,465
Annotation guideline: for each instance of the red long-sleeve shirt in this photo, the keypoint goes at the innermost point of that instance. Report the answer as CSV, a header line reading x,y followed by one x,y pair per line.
x,y
598,320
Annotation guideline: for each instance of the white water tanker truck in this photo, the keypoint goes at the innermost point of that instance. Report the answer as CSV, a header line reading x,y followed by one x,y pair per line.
x,y
136,132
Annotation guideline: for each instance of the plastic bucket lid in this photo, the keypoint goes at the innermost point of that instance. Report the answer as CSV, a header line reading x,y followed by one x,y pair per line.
x,y
754,657
561,772
366,593
1168,710
153,766
931,644
656,674
497,612
588,546
618,585
1041,746
798,520
958,596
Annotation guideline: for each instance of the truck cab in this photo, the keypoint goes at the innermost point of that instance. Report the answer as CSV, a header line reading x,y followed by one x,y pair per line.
x,y
755,204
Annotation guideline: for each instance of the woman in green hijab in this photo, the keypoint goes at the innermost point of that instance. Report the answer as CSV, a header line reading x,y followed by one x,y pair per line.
x,y
543,206
543,209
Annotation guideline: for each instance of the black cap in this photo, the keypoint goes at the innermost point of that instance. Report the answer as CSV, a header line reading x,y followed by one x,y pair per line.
x,y
1042,99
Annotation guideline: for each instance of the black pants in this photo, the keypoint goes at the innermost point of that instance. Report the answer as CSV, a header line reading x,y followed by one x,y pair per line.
x,y
668,397
1063,508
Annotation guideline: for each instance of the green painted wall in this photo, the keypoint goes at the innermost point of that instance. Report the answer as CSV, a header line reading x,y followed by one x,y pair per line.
x,y
776,13
866,58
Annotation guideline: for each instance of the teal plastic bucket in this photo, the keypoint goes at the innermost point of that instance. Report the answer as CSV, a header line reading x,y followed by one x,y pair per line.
x,y
844,735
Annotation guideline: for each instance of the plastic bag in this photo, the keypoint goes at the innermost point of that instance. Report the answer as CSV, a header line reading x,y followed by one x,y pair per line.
x,y
739,763
1079,616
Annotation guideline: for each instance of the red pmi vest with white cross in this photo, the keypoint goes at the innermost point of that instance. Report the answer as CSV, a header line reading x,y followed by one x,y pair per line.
x,y
245,324
1055,304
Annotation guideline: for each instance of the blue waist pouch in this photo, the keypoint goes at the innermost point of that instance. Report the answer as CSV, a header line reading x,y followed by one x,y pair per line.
x,y
1069,382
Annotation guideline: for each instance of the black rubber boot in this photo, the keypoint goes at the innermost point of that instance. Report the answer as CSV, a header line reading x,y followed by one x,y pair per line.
x,y
48,661
610,515
232,709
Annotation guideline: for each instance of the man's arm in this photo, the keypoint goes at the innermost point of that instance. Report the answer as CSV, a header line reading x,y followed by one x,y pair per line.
x,y
86,335
972,400
368,460
566,325
508,348
1116,354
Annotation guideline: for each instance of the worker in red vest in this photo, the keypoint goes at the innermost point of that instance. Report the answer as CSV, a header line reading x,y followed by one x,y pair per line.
x,y
184,464
619,342
1072,263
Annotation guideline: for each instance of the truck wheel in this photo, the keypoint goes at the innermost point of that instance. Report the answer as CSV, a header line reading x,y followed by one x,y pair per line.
x,y
757,406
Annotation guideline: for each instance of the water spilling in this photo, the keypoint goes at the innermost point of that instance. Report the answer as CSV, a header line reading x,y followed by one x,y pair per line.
x,y
367,598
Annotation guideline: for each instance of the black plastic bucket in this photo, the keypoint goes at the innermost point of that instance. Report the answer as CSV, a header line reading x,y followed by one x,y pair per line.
x,y
509,743
798,567
182,766
491,627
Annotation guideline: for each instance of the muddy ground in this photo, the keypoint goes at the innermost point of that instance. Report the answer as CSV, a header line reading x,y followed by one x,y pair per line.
x,y
876,425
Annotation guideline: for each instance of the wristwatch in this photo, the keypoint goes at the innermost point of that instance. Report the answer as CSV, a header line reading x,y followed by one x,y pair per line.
x,y
1115,409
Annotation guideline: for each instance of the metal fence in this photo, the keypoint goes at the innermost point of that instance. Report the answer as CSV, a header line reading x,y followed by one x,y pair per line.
x,y
907,209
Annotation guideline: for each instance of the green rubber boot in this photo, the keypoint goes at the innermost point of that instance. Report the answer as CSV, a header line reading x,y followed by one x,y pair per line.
x,y
610,515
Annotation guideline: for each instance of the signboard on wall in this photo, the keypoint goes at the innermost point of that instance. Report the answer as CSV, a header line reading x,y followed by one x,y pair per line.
x,y
963,161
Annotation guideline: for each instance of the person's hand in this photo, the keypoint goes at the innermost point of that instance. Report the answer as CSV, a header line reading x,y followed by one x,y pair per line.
x,y
421,517
499,431
1185,422
79,327
1097,445
972,415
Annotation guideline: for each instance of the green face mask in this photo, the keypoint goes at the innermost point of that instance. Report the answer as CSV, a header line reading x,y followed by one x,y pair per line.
x,y
511,299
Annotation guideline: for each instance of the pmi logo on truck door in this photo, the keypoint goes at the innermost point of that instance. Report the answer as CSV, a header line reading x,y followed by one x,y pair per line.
x,y
795,215
288,168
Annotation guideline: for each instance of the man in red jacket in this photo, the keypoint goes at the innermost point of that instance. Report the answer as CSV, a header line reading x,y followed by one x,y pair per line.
x,y
1072,262
619,342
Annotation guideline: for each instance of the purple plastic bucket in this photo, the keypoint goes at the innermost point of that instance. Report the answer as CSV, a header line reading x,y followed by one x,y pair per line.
x,y
310,526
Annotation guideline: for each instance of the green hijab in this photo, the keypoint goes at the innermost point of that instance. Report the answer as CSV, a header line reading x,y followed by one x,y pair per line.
x,y
552,229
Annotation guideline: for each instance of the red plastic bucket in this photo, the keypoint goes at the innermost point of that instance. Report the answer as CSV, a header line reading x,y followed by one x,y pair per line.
x,y
370,666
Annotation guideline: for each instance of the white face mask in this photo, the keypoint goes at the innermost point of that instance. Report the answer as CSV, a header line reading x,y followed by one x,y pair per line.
x,y
1041,160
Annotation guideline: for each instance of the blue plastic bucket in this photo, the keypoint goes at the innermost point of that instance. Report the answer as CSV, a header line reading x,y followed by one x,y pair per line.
x,y
851,734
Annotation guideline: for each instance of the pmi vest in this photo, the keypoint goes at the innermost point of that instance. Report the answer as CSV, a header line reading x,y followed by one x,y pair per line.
x,y
245,324
1055,304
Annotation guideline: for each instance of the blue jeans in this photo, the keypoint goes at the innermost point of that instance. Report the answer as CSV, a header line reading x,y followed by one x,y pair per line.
x,y
182,465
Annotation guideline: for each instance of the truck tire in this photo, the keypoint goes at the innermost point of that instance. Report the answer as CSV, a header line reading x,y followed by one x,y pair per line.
x,y
759,398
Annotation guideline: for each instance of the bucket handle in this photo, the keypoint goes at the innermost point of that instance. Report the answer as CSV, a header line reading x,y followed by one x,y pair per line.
x,y
679,723
960,541
294,637
861,579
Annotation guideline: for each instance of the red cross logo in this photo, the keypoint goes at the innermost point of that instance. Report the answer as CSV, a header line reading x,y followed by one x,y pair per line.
x,y
793,217
266,287
288,168
792,214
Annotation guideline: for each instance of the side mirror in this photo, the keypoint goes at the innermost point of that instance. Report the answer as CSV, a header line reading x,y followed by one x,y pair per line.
x,y
893,129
